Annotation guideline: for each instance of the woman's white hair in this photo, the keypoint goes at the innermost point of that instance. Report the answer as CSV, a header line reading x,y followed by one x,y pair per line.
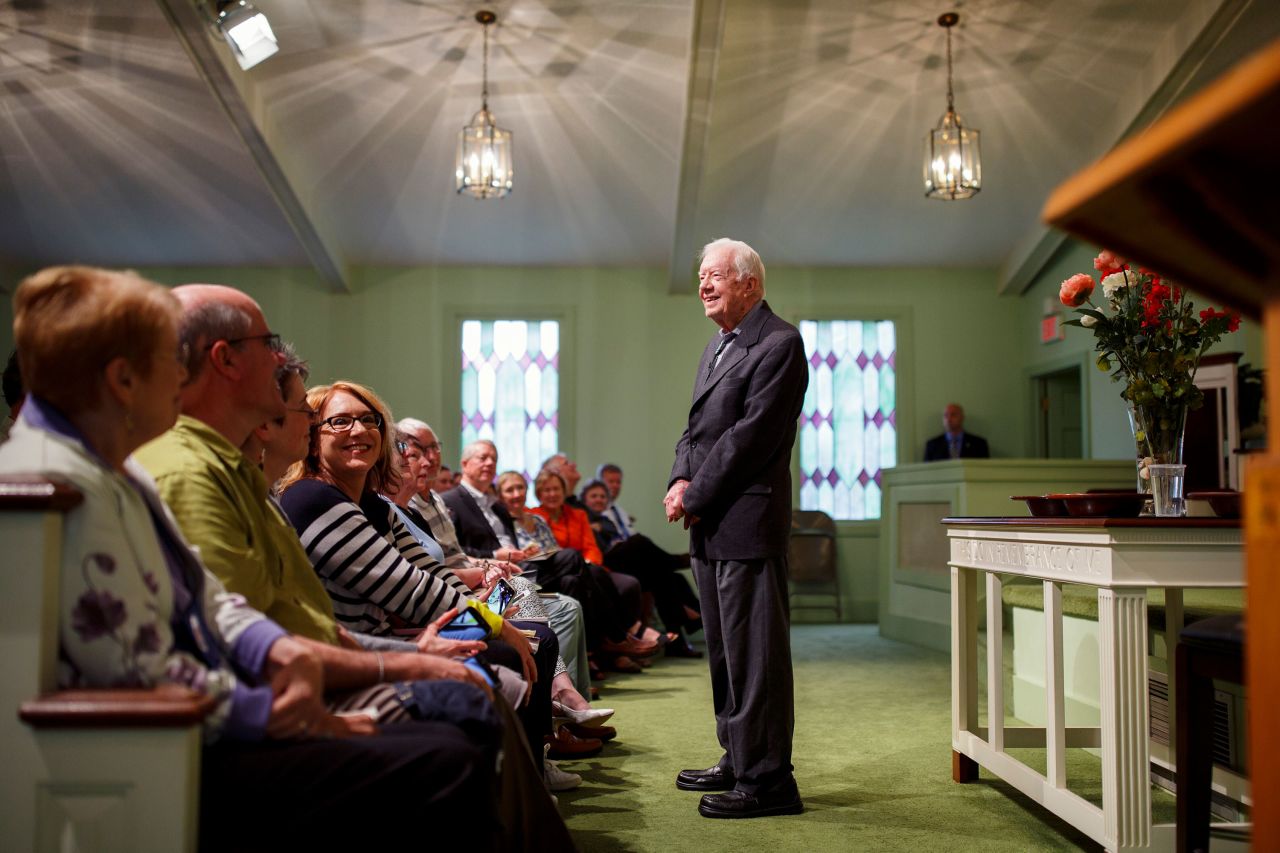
x,y
746,261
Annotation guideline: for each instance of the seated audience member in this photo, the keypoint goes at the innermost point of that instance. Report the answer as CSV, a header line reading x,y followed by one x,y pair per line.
x,y
444,480
573,532
655,569
12,394
485,529
284,442
593,497
566,701
954,442
531,529
610,474
375,571
220,500
569,524
563,611
569,474
102,362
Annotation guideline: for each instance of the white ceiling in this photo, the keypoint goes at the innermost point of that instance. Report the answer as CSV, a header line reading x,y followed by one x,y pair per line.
x,y
642,129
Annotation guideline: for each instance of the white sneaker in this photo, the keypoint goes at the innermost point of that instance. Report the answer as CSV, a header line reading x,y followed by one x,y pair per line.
x,y
557,779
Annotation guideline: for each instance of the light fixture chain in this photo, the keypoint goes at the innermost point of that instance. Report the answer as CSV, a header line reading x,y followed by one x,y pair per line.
x,y
951,100
484,89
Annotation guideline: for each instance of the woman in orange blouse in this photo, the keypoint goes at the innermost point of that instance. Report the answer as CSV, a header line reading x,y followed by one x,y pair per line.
x,y
572,529
570,524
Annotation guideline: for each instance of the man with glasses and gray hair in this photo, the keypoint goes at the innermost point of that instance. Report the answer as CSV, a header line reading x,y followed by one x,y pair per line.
x,y
219,496
731,487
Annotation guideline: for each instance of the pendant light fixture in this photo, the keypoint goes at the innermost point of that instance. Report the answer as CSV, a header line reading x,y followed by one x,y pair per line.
x,y
484,149
952,160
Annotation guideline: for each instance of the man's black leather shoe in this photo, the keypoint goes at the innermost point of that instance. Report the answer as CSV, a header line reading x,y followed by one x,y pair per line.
x,y
712,779
739,804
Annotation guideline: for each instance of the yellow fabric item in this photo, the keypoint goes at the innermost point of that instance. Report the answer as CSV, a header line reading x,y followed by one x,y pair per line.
x,y
491,620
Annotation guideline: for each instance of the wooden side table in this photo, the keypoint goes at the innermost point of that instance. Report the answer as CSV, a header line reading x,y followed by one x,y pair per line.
x,y
1122,559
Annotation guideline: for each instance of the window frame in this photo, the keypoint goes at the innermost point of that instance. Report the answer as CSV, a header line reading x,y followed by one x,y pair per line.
x,y
904,376
451,354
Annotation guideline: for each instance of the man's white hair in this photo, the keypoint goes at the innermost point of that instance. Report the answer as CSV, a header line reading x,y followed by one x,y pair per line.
x,y
474,447
746,261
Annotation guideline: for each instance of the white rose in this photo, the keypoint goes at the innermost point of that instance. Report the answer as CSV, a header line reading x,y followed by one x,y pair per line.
x,y
1088,322
1113,284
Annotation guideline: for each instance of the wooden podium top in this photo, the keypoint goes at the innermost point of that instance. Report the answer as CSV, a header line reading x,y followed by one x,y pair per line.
x,y
1192,196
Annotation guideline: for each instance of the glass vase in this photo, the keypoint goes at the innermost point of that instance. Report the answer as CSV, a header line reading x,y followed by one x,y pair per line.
x,y
1158,433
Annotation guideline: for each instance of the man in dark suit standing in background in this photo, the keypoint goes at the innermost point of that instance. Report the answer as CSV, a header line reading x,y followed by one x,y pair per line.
x,y
954,442
731,484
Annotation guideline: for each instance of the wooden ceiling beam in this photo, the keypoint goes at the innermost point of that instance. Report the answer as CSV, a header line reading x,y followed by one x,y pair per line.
x,y
704,57
231,89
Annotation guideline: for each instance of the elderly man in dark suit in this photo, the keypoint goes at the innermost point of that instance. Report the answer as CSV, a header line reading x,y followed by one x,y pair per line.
x,y
731,484
954,442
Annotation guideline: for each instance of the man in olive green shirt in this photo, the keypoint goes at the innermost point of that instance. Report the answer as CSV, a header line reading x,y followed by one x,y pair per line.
x,y
220,499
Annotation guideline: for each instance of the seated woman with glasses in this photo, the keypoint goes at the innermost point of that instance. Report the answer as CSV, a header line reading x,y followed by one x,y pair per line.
x,y
138,609
376,572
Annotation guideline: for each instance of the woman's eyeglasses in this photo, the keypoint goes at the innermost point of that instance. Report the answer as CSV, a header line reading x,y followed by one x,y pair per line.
x,y
344,423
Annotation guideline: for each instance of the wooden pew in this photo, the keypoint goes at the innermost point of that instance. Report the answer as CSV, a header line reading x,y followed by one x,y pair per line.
x,y
84,770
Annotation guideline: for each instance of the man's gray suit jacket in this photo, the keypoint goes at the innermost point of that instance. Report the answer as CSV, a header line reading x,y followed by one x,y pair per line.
x,y
736,450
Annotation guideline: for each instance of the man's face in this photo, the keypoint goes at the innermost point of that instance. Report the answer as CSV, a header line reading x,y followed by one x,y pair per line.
x,y
613,479
953,418
430,453
258,362
726,298
569,470
480,469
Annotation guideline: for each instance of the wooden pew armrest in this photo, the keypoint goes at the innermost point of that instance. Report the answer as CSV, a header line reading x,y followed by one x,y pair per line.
x,y
169,706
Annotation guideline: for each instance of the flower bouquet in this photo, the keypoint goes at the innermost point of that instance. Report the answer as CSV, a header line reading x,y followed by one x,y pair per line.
x,y
1148,335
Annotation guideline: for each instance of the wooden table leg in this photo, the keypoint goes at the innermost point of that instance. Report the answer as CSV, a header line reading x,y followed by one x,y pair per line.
x,y
1126,757
963,768
964,668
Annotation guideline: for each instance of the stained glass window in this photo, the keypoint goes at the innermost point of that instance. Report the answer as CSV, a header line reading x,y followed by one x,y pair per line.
x,y
849,424
511,389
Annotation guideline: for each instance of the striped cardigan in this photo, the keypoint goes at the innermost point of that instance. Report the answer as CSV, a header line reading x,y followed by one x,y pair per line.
x,y
371,564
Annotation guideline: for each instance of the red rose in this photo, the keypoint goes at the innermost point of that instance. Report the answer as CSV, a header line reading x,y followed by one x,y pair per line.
x,y
1076,290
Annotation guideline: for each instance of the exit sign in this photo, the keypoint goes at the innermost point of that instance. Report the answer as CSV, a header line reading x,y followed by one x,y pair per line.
x,y
1051,330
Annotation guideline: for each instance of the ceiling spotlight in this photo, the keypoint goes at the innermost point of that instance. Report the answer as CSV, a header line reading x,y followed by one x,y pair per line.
x,y
483,166
952,161
247,31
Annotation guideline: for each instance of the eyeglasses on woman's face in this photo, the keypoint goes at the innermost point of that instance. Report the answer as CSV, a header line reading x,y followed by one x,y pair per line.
x,y
344,423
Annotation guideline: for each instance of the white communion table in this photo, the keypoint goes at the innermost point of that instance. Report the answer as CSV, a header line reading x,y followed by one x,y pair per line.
x,y
1122,558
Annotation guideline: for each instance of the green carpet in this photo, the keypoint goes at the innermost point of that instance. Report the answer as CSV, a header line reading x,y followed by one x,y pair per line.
x,y
872,756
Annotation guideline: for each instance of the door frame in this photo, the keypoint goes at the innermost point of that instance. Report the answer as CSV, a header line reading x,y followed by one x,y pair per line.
x,y
1034,375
